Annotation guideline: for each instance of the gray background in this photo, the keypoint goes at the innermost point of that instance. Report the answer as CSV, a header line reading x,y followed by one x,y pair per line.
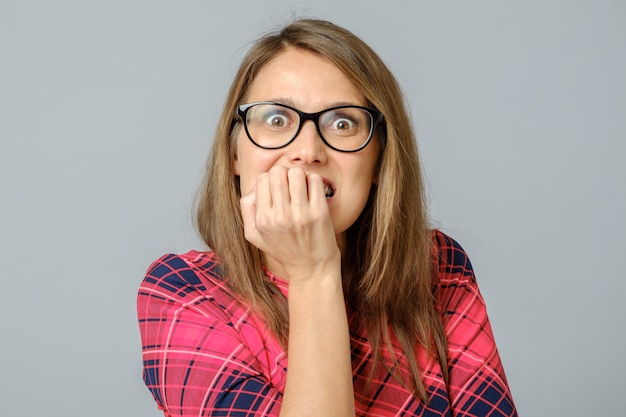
x,y
106,115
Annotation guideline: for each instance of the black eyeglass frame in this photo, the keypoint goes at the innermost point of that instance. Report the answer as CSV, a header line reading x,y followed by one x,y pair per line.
x,y
376,118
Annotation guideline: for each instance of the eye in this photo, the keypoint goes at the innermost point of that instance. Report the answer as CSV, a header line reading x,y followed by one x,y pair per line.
x,y
345,121
277,119
343,124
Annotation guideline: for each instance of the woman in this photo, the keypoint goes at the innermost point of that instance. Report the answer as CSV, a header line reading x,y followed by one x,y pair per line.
x,y
320,256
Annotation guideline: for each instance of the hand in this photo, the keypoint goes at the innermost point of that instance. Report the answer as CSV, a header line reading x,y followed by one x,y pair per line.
x,y
286,216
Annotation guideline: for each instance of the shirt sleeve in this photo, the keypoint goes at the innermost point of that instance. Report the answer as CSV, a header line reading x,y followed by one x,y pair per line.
x,y
195,361
478,385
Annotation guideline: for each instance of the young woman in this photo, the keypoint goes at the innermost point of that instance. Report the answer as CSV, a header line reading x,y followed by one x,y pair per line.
x,y
324,292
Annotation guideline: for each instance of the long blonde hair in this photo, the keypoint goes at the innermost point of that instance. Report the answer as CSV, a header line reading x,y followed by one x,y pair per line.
x,y
389,250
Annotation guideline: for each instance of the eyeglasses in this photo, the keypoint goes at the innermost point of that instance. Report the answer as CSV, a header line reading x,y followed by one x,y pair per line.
x,y
342,128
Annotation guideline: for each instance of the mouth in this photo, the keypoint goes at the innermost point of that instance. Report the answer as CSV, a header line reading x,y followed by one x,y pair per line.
x,y
329,191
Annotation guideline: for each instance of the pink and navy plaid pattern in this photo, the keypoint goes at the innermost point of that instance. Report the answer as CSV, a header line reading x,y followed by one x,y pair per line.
x,y
205,353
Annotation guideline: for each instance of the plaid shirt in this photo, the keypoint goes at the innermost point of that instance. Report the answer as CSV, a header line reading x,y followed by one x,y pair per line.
x,y
206,353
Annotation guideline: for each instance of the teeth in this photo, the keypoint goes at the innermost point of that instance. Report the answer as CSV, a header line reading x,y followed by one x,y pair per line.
x,y
328,190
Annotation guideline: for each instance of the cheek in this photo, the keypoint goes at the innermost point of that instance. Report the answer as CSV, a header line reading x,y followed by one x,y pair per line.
x,y
363,178
250,162
359,183
359,194
350,208
365,170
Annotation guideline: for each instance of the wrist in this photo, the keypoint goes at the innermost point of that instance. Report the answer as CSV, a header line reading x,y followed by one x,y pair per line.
x,y
317,277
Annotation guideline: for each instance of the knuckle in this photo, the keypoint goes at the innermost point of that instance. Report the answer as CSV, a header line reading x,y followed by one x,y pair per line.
x,y
276,170
262,221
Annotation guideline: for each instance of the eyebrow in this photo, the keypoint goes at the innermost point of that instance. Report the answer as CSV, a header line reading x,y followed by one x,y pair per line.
x,y
289,102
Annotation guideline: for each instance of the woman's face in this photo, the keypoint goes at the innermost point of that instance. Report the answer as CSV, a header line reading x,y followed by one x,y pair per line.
x,y
310,83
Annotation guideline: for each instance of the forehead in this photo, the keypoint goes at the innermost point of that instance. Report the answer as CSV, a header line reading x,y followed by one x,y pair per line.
x,y
303,78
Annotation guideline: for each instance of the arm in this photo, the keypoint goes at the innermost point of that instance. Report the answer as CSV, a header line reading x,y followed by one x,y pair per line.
x,y
478,385
197,358
319,377
290,223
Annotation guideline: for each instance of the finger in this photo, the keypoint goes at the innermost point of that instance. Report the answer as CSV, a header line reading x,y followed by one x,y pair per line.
x,y
298,187
279,188
316,192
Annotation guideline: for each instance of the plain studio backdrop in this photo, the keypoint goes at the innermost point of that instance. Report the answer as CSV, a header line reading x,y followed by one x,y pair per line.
x,y
107,111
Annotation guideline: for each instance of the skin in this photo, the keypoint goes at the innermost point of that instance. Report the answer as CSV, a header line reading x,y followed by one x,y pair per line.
x,y
301,232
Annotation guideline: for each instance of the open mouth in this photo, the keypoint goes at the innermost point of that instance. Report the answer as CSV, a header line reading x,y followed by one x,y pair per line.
x,y
329,192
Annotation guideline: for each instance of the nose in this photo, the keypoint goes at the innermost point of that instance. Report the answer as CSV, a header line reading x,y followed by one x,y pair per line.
x,y
307,148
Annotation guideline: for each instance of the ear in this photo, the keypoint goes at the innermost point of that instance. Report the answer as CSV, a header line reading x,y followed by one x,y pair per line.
x,y
234,151
235,166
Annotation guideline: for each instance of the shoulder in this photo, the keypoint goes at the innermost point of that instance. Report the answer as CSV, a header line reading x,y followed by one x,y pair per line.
x,y
180,275
451,258
455,282
191,282
452,263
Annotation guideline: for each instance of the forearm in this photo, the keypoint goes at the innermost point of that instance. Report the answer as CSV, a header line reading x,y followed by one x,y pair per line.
x,y
319,375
